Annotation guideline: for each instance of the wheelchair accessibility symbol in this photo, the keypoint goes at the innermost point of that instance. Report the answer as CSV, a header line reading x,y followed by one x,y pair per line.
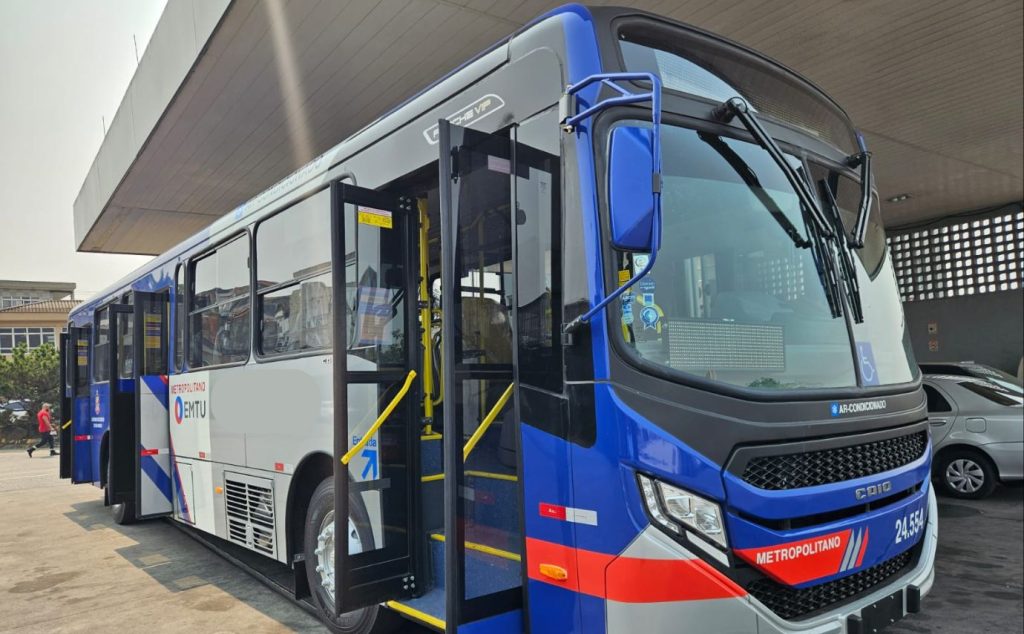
x,y
866,363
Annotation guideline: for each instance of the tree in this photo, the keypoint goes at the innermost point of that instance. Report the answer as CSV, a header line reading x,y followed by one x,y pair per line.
x,y
32,375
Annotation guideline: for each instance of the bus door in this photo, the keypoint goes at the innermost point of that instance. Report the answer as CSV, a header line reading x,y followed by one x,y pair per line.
x,y
483,573
152,431
76,429
121,466
376,399
67,396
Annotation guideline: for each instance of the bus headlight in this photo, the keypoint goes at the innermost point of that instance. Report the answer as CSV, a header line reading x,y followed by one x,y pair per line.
x,y
676,510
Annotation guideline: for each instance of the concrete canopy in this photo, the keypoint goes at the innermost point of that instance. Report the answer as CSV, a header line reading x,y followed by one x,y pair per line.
x,y
232,96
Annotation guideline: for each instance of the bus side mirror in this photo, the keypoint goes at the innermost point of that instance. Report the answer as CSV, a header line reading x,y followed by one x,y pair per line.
x,y
631,188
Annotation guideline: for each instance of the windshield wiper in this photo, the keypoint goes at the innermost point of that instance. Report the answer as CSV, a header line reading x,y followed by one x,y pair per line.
x,y
747,174
819,229
739,108
860,229
849,271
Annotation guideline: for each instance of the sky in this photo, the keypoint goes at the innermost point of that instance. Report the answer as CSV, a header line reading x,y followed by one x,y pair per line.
x,y
64,67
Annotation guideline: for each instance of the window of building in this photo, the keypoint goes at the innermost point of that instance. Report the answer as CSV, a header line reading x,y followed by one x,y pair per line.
x,y
985,255
10,338
219,308
293,261
20,298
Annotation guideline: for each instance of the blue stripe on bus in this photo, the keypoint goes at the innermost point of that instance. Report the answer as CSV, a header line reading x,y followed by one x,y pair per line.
x,y
157,386
157,475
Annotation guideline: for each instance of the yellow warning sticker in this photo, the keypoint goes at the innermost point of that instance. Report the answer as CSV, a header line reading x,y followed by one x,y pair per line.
x,y
623,276
375,217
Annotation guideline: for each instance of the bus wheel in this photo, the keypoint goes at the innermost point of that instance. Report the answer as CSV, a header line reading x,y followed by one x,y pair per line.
x,y
318,548
124,513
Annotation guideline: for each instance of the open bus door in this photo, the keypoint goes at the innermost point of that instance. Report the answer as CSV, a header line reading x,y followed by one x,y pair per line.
x,y
476,285
76,427
376,400
67,395
121,439
152,457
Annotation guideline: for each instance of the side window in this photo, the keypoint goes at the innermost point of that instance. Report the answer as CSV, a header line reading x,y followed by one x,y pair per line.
x,y
101,346
179,318
293,273
82,361
218,326
937,404
154,333
538,266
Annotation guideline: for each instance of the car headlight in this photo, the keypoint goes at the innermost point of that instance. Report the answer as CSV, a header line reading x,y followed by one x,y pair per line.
x,y
676,510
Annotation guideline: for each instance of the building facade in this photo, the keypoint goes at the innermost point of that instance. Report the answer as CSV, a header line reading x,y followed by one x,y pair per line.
x,y
33,313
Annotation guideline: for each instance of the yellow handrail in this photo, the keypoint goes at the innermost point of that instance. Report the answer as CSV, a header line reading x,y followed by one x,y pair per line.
x,y
380,419
486,422
67,424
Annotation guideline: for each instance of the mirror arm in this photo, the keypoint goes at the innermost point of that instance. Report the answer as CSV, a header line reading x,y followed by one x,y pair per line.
x,y
570,123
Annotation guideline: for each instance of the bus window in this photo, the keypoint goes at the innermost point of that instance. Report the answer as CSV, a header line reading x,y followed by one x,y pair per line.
x,y
293,273
101,346
179,318
125,346
219,307
154,333
82,361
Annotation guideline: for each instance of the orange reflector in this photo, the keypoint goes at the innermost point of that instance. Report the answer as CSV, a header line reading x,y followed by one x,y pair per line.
x,y
557,573
218,490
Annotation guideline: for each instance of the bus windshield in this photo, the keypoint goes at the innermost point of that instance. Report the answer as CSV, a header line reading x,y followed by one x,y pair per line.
x,y
733,298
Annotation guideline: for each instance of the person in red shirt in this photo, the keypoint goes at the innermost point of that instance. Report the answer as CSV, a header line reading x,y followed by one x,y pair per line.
x,y
46,430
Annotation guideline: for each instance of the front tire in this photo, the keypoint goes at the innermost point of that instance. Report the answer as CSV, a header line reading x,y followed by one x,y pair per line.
x,y
318,548
966,473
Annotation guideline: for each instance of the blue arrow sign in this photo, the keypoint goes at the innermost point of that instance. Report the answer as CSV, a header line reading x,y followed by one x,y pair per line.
x,y
371,463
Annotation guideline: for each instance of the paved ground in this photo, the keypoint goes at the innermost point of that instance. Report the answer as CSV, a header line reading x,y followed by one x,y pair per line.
x,y
58,544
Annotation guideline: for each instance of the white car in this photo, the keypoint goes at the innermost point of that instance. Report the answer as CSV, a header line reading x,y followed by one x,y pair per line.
x,y
17,409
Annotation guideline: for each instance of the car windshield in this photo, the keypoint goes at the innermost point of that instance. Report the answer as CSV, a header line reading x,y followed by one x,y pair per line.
x,y
732,299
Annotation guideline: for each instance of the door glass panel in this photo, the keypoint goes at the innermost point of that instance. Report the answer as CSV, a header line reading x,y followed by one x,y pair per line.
x,y
375,294
477,291
125,345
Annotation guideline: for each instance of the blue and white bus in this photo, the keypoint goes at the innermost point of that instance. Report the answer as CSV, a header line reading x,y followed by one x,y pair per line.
x,y
597,333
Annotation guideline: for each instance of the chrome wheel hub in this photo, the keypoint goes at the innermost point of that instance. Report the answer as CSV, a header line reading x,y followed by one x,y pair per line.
x,y
325,550
965,475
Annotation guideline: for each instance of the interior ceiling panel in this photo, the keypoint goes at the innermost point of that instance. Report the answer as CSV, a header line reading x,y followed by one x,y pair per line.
x,y
936,85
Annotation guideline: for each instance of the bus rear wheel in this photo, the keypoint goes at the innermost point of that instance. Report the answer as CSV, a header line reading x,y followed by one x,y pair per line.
x,y
318,548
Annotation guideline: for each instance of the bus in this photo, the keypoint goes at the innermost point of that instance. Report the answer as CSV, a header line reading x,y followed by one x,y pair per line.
x,y
596,333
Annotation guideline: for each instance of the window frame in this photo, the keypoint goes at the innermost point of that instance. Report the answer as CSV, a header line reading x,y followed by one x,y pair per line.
x,y
256,344
178,362
190,290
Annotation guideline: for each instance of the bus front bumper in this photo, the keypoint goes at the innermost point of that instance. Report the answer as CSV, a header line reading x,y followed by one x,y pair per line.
x,y
744,613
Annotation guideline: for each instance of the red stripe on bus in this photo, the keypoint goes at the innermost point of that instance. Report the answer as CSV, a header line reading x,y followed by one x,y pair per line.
x,y
149,452
629,579
81,438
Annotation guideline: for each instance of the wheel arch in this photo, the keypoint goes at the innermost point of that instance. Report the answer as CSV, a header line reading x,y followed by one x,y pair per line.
x,y
311,471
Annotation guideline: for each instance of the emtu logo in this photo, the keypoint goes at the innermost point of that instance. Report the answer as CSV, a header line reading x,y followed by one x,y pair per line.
x,y
179,410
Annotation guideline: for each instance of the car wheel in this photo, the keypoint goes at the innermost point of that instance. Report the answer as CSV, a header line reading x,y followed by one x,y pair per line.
x,y
318,548
966,473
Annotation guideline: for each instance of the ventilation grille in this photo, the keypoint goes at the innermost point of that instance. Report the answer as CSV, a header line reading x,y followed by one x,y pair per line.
x,y
814,468
249,505
792,603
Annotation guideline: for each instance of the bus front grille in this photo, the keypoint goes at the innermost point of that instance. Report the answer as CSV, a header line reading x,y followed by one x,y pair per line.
x,y
838,464
792,603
